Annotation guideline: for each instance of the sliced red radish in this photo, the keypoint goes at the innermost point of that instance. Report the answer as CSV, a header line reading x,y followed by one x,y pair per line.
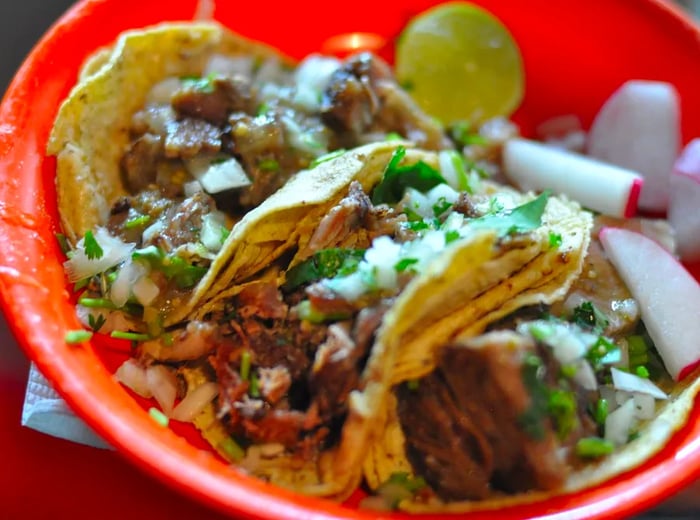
x,y
684,202
601,187
639,128
668,296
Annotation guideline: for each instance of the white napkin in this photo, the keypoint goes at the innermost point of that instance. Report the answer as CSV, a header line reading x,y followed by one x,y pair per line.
x,y
45,411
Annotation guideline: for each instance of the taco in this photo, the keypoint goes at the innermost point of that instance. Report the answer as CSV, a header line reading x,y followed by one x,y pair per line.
x,y
304,350
173,134
527,400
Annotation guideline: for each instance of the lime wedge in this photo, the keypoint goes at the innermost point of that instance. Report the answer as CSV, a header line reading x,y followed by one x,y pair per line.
x,y
460,63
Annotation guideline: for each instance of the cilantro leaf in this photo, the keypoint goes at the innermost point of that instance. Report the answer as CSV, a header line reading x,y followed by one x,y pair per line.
x,y
588,316
396,179
326,263
404,264
522,219
92,247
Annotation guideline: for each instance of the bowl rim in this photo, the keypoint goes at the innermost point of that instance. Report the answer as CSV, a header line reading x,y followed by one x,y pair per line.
x,y
23,286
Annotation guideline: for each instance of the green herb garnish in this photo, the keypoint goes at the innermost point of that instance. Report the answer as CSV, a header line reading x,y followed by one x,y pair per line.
x,y
521,219
132,336
77,336
97,303
269,165
232,449
245,365
405,264
96,323
451,235
396,179
326,263
463,134
306,312
593,447
327,157
204,85
555,240
441,206
137,222
63,243
562,408
588,316
600,412
92,247
159,417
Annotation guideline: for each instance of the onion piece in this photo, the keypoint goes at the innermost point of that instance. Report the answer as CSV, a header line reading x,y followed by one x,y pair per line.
x,y
213,230
114,251
229,65
133,376
128,275
162,92
145,291
194,402
633,383
162,384
215,176
619,424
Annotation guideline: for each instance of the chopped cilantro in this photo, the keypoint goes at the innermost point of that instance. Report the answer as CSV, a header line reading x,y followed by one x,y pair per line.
x,y
224,234
417,225
245,365
326,263
562,408
269,165
396,179
173,267
603,352
593,447
133,336
92,247
588,316
306,312
532,420
159,417
232,449
262,109
254,388
393,136
204,85
97,303
521,219
642,371
405,264
406,481
568,371
63,243
77,336
451,235
462,134
137,222
555,240
441,206
600,412
96,323
327,157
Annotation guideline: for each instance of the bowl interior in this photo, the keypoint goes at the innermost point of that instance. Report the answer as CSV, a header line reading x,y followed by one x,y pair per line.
x,y
576,53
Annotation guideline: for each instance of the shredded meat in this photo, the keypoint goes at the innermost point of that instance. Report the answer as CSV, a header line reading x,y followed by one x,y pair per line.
x,y
261,299
466,428
274,383
189,137
182,222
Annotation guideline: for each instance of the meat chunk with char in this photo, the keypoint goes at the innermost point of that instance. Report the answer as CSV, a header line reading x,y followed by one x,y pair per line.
x,y
214,99
471,426
182,222
362,96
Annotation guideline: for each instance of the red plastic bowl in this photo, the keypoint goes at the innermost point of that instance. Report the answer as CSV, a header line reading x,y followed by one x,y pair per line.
x,y
576,53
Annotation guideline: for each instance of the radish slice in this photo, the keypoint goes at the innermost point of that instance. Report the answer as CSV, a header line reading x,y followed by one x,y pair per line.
x,y
598,186
684,202
639,128
669,296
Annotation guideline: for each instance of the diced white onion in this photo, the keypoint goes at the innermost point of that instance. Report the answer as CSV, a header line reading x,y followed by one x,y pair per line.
x,y
585,375
162,383
129,273
270,72
315,71
644,406
162,92
192,187
145,291
133,376
114,251
213,229
194,402
229,65
633,383
113,320
216,177
619,423
381,259
152,230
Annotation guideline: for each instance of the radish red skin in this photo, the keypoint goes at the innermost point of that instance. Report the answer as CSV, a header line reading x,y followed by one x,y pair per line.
x,y
668,296
684,202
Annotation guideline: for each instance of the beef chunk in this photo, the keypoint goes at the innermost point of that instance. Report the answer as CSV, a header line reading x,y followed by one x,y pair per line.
x,y
189,137
183,222
140,162
476,424
214,99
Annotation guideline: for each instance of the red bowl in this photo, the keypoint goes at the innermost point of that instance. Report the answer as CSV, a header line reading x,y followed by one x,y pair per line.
x,y
576,53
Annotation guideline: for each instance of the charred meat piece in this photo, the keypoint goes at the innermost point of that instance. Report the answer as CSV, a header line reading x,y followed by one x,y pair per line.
x,y
350,102
140,162
189,137
182,222
480,422
263,300
213,99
